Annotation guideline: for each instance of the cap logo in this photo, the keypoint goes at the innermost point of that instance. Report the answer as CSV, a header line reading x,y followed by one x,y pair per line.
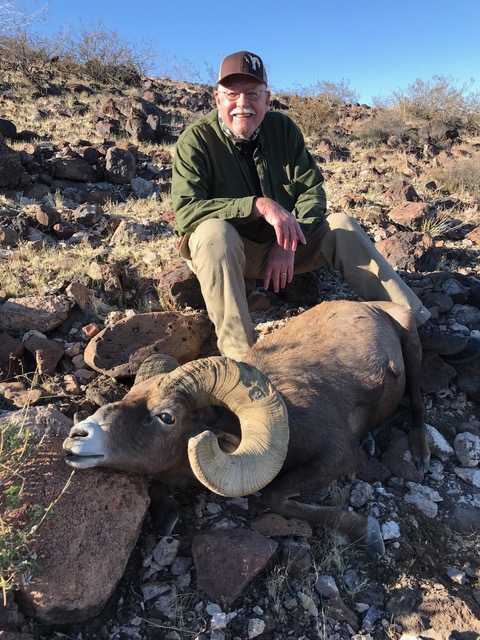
x,y
253,61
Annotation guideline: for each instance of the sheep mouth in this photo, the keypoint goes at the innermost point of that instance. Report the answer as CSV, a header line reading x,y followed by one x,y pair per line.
x,y
82,461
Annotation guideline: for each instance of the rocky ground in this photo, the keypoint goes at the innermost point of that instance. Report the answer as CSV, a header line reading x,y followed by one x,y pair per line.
x,y
86,244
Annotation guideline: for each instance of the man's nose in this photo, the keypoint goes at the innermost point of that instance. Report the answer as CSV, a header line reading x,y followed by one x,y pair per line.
x,y
242,100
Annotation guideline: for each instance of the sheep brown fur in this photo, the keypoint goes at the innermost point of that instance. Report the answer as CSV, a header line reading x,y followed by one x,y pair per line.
x,y
341,368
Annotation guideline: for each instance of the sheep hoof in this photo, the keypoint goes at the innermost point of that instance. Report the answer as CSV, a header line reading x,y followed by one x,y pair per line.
x,y
422,464
368,444
373,539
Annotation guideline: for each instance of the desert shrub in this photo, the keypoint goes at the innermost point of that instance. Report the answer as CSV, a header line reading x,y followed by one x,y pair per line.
x,y
314,107
330,93
26,53
104,55
440,99
311,115
380,126
463,175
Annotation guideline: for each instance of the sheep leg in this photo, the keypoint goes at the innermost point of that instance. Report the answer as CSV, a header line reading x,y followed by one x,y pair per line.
x,y
417,438
164,510
358,529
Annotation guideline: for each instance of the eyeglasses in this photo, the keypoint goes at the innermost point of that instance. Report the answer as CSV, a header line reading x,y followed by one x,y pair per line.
x,y
233,96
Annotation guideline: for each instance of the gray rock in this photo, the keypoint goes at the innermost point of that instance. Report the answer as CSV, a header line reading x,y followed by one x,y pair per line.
x,y
467,449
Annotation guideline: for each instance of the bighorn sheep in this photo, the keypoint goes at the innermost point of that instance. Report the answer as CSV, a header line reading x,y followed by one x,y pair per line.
x,y
297,409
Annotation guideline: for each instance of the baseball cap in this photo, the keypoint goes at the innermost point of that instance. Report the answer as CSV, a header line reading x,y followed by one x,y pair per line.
x,y
242,63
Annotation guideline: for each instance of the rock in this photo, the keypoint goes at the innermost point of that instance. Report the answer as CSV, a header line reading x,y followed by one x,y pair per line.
x,y
84,545
424,498
436,373
166,551
390,530
76,169
119,350
469,475
7,128
47,216
411,214
130,231
409,251
11,169
120,166
467,449
468,378
227,561
47,352
362,492
327,587
79,293
402,191
399,460
180,286
41,313
11,350
439,446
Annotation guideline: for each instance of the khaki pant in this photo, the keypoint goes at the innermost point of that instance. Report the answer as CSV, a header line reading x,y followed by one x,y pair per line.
x,y
222,260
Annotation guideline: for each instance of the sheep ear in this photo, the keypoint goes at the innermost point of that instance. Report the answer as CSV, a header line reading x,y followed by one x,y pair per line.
x,y
155,364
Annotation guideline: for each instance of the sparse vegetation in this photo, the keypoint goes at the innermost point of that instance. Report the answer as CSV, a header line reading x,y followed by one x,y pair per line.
x,y
18,563
439,99
461,176
380,126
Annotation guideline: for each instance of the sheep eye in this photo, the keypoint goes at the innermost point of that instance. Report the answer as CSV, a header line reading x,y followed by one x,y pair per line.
x,y
167,418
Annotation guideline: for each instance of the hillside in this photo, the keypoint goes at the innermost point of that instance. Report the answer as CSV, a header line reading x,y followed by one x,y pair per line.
x,y
86,243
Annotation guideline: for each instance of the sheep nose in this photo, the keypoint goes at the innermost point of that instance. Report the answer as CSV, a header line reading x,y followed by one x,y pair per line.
x,y
80,430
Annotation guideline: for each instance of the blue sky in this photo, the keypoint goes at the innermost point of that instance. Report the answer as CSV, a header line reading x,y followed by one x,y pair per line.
x,y
378,46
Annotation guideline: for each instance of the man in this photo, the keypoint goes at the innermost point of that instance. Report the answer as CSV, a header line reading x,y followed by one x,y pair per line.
x,y
249,203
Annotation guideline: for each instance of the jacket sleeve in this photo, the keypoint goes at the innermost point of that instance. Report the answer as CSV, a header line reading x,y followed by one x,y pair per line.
x,y
191,197
307,184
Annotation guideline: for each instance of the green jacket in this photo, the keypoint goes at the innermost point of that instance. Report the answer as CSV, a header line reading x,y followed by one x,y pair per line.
x,y
211,179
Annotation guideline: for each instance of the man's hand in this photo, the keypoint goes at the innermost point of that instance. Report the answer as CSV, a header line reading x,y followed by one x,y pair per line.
x,y
286,226
279,268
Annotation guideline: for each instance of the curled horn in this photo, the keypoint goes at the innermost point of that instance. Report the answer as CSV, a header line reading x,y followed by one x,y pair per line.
x,y
155,364
263,421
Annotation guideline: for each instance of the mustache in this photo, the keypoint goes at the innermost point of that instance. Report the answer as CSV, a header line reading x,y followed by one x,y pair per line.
x,y
243,112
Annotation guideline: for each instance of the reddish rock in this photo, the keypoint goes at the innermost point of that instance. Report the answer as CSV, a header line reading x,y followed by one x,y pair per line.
x,y
180,286
84,545
411,214
47,353
80,293
227,561
11,350
402,191
119,350
40,313
409,251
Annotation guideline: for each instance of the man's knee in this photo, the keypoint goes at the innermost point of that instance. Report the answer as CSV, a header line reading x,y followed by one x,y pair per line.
x,y
340,220
215,236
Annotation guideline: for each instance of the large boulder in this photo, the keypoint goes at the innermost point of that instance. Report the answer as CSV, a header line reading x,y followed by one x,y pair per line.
x,y
41,313
83,545
119,350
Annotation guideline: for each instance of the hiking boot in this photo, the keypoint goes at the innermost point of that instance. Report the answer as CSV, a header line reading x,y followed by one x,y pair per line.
x,y
454,348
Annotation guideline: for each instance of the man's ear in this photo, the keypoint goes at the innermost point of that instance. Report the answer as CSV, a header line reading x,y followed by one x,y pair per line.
x,y
268,99
216,95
